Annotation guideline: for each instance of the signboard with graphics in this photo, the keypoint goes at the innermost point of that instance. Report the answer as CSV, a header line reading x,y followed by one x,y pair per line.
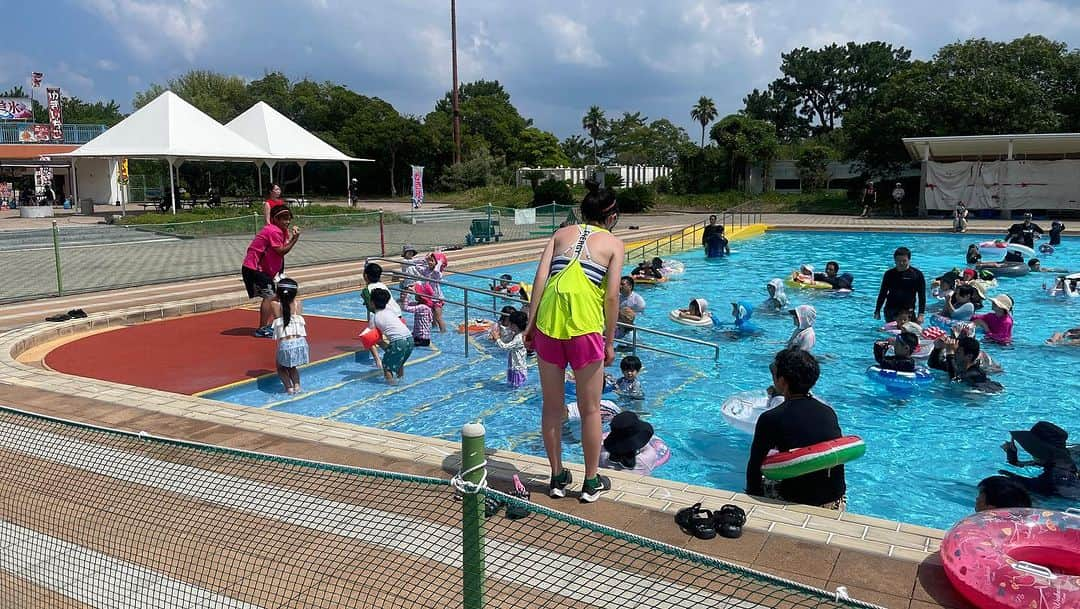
x,y
56,114
15,109
417,186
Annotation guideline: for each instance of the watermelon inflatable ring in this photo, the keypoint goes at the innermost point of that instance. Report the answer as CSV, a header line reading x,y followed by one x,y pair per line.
x,y
816,457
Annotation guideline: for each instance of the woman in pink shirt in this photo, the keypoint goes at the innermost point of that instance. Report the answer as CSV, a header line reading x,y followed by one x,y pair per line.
x,y
997,324
264,260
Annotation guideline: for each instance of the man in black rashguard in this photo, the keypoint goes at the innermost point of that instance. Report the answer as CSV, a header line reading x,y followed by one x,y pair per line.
x,y
901,287
1024,232
800,421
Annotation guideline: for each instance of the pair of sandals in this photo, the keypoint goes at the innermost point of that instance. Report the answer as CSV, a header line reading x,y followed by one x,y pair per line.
x,y
72,314
728,521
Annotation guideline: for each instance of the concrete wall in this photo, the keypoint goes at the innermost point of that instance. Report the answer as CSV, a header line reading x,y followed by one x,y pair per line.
x,y
98,180
786,170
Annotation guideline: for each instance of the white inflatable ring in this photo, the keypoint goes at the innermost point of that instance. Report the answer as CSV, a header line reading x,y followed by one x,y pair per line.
x,y
674,315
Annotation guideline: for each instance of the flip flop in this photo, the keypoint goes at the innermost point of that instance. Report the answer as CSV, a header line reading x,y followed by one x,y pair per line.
x,y
696,521
77,313
729,521
492,505
60,317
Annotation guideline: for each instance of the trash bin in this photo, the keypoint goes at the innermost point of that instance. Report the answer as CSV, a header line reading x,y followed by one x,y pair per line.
x,y
86,207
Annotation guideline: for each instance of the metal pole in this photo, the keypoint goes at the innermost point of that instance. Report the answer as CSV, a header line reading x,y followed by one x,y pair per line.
x,y
255,222
258,168
491,229
303,191
454,98
382,235
633,346
172,188
472,517
348,184
56,254
465,302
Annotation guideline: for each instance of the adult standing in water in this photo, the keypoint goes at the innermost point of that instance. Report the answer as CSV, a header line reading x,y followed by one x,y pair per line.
x,y
272,200
1024,232
572,315
713,239
901,287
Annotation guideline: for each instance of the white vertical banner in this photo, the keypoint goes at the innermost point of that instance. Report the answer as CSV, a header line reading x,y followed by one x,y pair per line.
x,y
417,186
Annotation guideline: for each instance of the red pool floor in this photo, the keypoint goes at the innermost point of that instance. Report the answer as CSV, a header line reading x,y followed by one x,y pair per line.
x,y
194,353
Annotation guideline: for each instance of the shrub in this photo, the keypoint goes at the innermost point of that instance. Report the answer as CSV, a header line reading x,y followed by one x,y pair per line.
x,y
552,191
662,185
612,181
481,170
636,199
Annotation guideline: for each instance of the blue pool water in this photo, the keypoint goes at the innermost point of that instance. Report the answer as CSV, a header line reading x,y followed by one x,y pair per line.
x,y
926,452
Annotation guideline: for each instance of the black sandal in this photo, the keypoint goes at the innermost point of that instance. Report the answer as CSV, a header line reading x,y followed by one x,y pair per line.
x,y
729,521
77,314
516,511
60,317
696,521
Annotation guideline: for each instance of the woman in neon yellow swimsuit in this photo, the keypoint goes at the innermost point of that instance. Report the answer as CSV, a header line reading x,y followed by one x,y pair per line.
x,y
573,310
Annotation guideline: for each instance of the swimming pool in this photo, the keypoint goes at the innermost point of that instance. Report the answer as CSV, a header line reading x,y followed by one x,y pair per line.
x,y
925,452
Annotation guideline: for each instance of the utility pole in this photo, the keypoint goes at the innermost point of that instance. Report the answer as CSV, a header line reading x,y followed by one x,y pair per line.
x,y
454,94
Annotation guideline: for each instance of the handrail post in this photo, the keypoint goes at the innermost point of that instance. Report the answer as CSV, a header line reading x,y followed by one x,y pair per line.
x,y
466,305
633,346
472,516
56,255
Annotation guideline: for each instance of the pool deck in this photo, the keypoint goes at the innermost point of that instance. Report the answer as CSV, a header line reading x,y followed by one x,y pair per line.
x,y
883,562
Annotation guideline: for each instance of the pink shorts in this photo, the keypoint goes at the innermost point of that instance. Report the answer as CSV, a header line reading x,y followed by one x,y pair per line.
x,y
579,351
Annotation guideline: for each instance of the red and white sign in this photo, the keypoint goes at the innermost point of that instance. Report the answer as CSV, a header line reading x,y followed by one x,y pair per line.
x,y
56,114
417,186
35,79
15,109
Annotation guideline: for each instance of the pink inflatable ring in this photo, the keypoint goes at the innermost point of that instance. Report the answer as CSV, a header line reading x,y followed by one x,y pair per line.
x,y
1017,558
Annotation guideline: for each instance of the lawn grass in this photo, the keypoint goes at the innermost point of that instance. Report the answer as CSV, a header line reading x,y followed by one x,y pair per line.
x,y
222,221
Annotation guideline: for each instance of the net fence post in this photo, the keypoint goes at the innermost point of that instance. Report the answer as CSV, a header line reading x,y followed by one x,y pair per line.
x,y
255,222
472,517
382,235
56,256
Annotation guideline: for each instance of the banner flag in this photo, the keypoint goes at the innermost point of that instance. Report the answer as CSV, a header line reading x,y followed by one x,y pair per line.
x,y
35,79
16,109
56,114
123,171
417,186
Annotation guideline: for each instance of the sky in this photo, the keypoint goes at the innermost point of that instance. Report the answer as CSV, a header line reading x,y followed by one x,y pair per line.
x,y
555,57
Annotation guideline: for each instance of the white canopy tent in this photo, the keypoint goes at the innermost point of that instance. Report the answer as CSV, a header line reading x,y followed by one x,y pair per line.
x,y
172,129
285,141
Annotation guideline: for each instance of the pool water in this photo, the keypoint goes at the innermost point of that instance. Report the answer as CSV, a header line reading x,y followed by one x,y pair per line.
x,y
926,451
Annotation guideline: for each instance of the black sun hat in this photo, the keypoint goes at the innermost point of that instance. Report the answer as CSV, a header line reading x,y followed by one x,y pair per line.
x,y
1044,441
629,434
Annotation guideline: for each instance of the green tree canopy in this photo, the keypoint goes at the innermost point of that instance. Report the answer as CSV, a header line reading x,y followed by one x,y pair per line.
x,y
221,96
704,112
747,141
537,148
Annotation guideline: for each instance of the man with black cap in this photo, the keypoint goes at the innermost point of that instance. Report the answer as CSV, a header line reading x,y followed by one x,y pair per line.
x,y
1024,232
1046,443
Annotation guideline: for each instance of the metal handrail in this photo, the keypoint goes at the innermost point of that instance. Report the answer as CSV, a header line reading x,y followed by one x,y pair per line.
x,y
655,244
747,213
634,329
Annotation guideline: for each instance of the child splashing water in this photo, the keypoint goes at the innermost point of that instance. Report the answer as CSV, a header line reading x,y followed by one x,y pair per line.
x,y
290,331
398,338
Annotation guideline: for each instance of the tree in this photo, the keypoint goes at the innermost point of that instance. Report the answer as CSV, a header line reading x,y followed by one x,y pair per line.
x,y
275,89
828,81
537,148
487,112
594,123
77,111
780,107
747,141
377,130
812,161
576,150
704,112
221,96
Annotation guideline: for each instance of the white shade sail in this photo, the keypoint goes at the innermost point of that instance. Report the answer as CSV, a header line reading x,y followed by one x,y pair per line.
x,y
281,138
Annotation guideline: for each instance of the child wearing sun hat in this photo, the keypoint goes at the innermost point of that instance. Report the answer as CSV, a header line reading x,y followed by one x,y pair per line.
x,y
998,323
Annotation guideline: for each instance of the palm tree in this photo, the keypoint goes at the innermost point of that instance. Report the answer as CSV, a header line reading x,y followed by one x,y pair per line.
x,y
703,112
593,122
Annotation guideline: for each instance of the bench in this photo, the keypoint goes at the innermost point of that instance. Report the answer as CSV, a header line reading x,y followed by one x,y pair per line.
x,y
484,230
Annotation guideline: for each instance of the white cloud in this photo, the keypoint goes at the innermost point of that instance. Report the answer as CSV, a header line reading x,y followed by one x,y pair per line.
x,y
571,41
106,65
154,28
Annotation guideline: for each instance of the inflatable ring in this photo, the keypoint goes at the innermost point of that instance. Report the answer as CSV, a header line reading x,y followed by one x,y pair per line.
x,y
998,248
704,321
817,285
1020,558
742,410
901,381
1046,249
649,280
476,325
370,337
648,458
673,268
813,458
1015,269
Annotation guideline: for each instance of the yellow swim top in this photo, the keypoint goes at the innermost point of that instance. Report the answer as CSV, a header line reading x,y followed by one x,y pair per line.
x,y
573,300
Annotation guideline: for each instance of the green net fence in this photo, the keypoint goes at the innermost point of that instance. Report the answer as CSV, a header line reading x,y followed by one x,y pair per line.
x,y
97,518
89,258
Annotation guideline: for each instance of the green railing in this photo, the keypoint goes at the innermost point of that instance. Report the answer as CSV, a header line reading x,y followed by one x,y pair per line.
x,y
676,242
93,517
